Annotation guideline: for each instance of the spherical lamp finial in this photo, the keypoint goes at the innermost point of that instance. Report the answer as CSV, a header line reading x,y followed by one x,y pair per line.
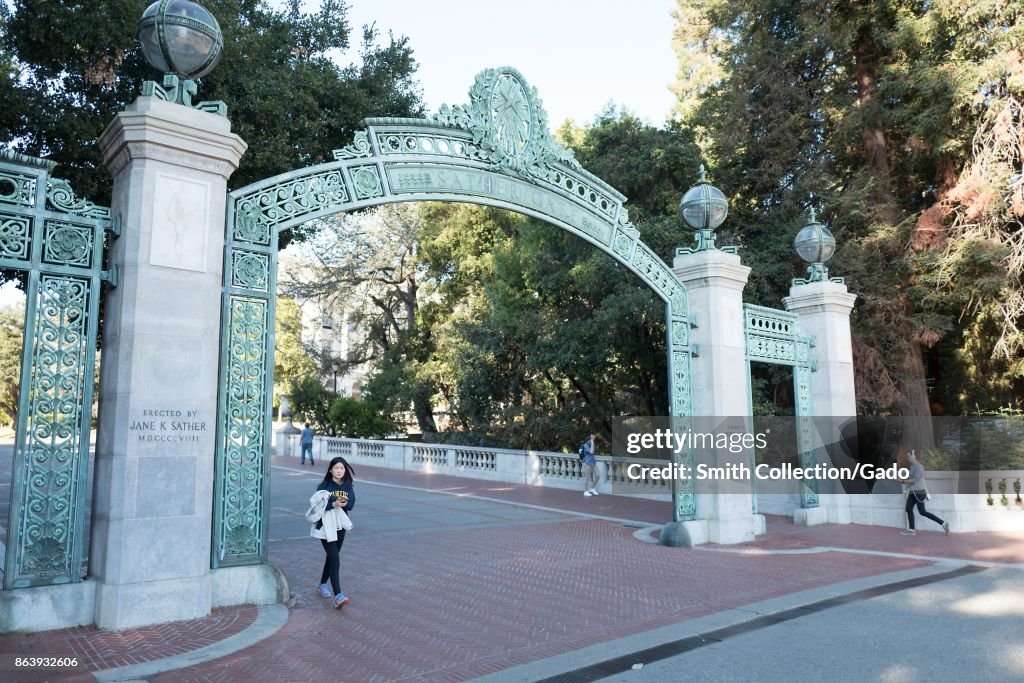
x,y
180,38
704,208
815,245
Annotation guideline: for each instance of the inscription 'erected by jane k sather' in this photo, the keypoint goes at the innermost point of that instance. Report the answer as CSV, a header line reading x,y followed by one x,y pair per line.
x,y
169,426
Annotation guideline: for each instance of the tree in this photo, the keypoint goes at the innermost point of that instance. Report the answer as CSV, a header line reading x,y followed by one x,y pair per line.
x,y
531,336
311,402
64,76
291,359
864,110
973,266
368,265
358,419
12,331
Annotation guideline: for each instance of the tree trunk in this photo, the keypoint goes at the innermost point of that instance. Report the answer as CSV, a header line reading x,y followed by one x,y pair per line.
x,y
424,410
918,429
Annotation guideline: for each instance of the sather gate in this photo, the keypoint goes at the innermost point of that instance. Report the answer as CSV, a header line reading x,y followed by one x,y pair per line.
x,y
496,151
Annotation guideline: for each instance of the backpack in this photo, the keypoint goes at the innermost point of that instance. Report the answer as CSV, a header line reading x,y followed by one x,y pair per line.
x,y
582,450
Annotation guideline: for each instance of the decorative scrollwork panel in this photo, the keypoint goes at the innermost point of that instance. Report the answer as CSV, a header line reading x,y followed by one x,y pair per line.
x,y
67,244
56,244
250,270
241,480
15,236
61,197
255,214
48,542
17,188
805,435
660,277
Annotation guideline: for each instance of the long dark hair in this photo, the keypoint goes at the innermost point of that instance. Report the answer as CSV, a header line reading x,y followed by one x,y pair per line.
x,y
347,479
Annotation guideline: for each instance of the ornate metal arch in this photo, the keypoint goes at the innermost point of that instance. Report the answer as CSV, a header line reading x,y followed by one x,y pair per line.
x,y
496,151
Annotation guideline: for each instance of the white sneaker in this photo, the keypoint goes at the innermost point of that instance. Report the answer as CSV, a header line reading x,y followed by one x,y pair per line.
x,y
587,493
908,532
594,491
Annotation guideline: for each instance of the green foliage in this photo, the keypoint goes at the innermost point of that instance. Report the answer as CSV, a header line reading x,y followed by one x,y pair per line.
x,y
12,329
79,65
291,359
533,338
354,418
311,402
996,444
871,112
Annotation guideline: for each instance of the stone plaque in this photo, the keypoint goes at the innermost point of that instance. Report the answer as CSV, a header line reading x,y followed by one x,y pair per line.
x,y
180,216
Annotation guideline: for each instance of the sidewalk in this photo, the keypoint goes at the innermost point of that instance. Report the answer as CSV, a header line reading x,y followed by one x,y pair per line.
x,y
453,578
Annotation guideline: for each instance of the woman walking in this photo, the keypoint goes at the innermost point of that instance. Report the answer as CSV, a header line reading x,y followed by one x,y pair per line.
x,y
917,493
334,497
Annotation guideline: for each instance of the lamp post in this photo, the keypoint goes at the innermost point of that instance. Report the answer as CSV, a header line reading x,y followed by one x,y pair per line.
x,y
815,245
335,366
704,208
183,40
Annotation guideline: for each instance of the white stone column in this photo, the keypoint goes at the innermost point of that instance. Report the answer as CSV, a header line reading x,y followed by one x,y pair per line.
x,y
714,282
823,309
153,496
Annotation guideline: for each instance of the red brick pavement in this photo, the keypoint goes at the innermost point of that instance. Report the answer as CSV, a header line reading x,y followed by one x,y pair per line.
x,y
782,534
454,605
96,649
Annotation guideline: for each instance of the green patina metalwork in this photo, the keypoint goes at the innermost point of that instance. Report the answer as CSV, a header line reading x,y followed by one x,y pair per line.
x,y
817,272
57,240
816,245
184,41
775,337
496,151
180,92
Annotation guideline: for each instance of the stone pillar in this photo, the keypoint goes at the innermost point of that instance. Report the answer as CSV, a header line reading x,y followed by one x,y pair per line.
x,y
714,282
823,309
153,496
824,312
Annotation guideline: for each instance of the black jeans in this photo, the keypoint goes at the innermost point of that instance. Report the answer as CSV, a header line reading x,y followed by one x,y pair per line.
x,y
913,500
332,563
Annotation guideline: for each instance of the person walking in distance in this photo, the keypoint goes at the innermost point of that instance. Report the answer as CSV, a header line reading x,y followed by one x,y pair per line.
x,y
917,494
330,529
590,466
306,441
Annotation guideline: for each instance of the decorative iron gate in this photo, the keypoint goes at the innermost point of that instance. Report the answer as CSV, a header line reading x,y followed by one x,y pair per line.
x,y
496,151
57,241
774,337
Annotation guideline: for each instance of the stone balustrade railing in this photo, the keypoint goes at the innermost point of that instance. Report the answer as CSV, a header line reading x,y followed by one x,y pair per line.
x,y
535,468
957,496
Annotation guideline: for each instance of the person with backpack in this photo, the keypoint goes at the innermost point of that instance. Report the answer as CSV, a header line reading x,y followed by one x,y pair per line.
x,y
588,453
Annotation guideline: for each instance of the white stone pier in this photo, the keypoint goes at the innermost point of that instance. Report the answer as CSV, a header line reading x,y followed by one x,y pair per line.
x,y
153,492
823,309
714,281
